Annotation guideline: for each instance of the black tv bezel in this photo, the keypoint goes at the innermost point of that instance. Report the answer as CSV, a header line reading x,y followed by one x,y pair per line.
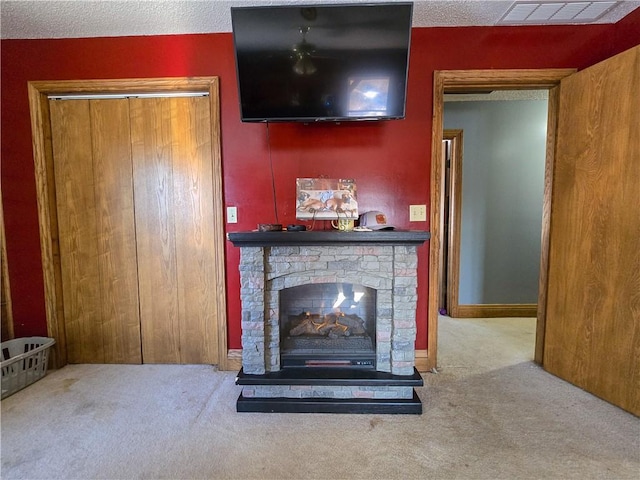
x,y
323,119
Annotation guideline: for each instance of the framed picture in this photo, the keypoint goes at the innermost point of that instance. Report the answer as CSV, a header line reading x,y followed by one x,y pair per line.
x,y
326,199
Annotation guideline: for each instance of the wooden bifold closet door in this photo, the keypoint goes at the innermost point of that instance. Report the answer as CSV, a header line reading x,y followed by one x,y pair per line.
x,y
133,179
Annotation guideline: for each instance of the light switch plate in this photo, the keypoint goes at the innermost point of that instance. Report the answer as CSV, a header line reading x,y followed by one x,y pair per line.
x,y
232,214
417,213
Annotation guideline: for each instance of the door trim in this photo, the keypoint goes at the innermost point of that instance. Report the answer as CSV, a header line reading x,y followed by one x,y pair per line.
x,y
46,194
470,80
7,309
452,263
496,310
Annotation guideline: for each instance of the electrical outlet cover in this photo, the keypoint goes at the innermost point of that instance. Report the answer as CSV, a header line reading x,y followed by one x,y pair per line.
x,y
232,214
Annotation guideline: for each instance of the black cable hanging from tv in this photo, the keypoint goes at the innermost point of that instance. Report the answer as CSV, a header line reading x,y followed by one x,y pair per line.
x,y
273,178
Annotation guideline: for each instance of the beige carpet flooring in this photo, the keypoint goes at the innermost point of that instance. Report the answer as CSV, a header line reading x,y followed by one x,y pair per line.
x,y
489,413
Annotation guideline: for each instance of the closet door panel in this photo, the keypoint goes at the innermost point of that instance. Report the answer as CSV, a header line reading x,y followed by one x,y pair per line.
x,y
77,229
116,230
151,142
97,235
193,201
173,184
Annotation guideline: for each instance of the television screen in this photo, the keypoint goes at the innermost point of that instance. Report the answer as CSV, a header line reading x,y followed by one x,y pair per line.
x,y
322,62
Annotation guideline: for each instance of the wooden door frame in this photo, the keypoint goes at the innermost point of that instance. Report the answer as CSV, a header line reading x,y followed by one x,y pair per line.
x,y
452,263
469,81
7,309
46,193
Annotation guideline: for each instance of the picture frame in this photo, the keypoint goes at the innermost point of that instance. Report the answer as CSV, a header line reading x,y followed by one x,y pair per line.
x,y
326,199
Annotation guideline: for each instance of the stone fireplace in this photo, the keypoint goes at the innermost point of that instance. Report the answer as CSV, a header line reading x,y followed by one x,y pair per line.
x,y
328,321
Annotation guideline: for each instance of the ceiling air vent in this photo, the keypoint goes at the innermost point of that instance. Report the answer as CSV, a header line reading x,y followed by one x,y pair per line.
x,y
540,13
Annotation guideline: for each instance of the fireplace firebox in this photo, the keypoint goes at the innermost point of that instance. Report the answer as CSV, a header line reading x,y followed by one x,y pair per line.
x,y
328,325
328,321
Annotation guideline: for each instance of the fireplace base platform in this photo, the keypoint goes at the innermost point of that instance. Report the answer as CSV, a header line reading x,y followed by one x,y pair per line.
x,y
329,390
411,406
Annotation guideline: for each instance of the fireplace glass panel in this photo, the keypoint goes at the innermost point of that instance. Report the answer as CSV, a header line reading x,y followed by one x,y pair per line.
x,y
328,325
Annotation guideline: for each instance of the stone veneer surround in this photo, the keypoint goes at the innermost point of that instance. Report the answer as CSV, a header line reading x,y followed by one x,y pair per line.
x,y
390,269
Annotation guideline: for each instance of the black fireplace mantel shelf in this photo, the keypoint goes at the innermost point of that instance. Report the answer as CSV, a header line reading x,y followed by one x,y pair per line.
x,y
326,237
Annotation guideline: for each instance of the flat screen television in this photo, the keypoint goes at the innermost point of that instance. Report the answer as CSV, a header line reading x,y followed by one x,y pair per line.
x,y
311,63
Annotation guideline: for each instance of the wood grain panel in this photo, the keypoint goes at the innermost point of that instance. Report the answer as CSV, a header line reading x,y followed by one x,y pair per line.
x,y
218,240
552,126
44,162
155,239
48,222
74,176
437,199
116,230
593,307
520,79
193,214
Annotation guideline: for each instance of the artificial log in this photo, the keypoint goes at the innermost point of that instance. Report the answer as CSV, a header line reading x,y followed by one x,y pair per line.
x,y
331,325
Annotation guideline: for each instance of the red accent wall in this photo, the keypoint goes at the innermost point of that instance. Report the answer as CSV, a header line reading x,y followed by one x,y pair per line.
x,y
390,160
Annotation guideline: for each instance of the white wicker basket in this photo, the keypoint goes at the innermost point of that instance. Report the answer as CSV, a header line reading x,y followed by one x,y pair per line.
x,y
24,361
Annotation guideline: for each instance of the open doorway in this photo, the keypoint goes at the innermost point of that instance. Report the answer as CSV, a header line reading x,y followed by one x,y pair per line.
x,y
470,81
493,202
494,181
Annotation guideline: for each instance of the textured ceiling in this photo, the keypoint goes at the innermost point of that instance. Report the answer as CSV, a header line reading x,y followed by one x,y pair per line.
x,y
106,18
